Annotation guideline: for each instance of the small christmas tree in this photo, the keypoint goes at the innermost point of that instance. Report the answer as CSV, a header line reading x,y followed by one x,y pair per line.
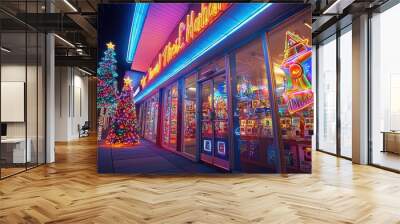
x,y
106,76
124,127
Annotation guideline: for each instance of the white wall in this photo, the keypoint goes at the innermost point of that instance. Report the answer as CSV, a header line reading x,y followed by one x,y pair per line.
x,y
71,102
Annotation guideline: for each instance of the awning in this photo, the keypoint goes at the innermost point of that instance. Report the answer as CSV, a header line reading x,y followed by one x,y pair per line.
x,y
240,22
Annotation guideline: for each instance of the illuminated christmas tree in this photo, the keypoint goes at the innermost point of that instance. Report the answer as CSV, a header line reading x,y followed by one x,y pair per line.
x,y
106,94
124,127
106,77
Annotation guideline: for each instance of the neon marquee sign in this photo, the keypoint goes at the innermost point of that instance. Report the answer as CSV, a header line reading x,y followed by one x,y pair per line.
x,y
188,31
297,68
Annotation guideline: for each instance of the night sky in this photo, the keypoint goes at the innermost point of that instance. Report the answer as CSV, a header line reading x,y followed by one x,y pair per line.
x,y
114,23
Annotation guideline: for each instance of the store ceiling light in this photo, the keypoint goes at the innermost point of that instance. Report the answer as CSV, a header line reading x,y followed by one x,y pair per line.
x,y
139,17
64,40
5,50
338,6
70,5
84,71
307,25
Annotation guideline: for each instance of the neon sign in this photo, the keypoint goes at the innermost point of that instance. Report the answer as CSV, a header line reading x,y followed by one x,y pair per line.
x,y
188,31
297,68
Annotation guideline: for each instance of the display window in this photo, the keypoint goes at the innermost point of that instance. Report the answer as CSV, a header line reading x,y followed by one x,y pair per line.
x,y
143,115
150,118
254,110
189,116
170,117
290,53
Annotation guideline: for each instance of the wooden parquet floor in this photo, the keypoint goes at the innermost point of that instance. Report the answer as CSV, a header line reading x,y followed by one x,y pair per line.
x,y
71,191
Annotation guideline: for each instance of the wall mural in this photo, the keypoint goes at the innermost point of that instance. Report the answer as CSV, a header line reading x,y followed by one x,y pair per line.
x,y
166,104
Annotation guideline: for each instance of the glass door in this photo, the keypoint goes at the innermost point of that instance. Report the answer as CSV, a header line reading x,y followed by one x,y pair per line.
x,y
214,122
189,117
169,137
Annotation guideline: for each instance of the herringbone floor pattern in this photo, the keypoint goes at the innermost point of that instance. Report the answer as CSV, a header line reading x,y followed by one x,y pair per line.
x,y
71,191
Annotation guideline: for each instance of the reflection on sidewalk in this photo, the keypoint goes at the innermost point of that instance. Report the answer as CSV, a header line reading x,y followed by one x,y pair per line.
x,y
147,158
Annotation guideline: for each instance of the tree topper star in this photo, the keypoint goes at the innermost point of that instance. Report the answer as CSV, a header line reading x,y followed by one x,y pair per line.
x,y
127,81
110,45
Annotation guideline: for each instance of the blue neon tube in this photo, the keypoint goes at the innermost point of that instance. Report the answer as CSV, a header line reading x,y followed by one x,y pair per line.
x,y
139,17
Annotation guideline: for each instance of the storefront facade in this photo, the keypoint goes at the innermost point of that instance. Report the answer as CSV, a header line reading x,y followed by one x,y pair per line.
x,y
247,107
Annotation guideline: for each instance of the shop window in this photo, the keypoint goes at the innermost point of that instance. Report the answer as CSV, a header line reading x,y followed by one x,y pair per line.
x,y
151,118
385,89
290,51
170,117
189,116
254,110
142,112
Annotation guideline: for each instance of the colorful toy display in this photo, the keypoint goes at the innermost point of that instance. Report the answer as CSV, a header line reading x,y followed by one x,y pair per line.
x,y
150,119
308,126
170,117
255,121
190,119
123,130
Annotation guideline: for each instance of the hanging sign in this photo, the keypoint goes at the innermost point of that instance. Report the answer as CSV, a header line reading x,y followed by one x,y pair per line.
x,y
188,30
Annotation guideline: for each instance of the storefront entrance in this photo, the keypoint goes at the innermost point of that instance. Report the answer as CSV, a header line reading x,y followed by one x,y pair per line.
x,y
214,122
